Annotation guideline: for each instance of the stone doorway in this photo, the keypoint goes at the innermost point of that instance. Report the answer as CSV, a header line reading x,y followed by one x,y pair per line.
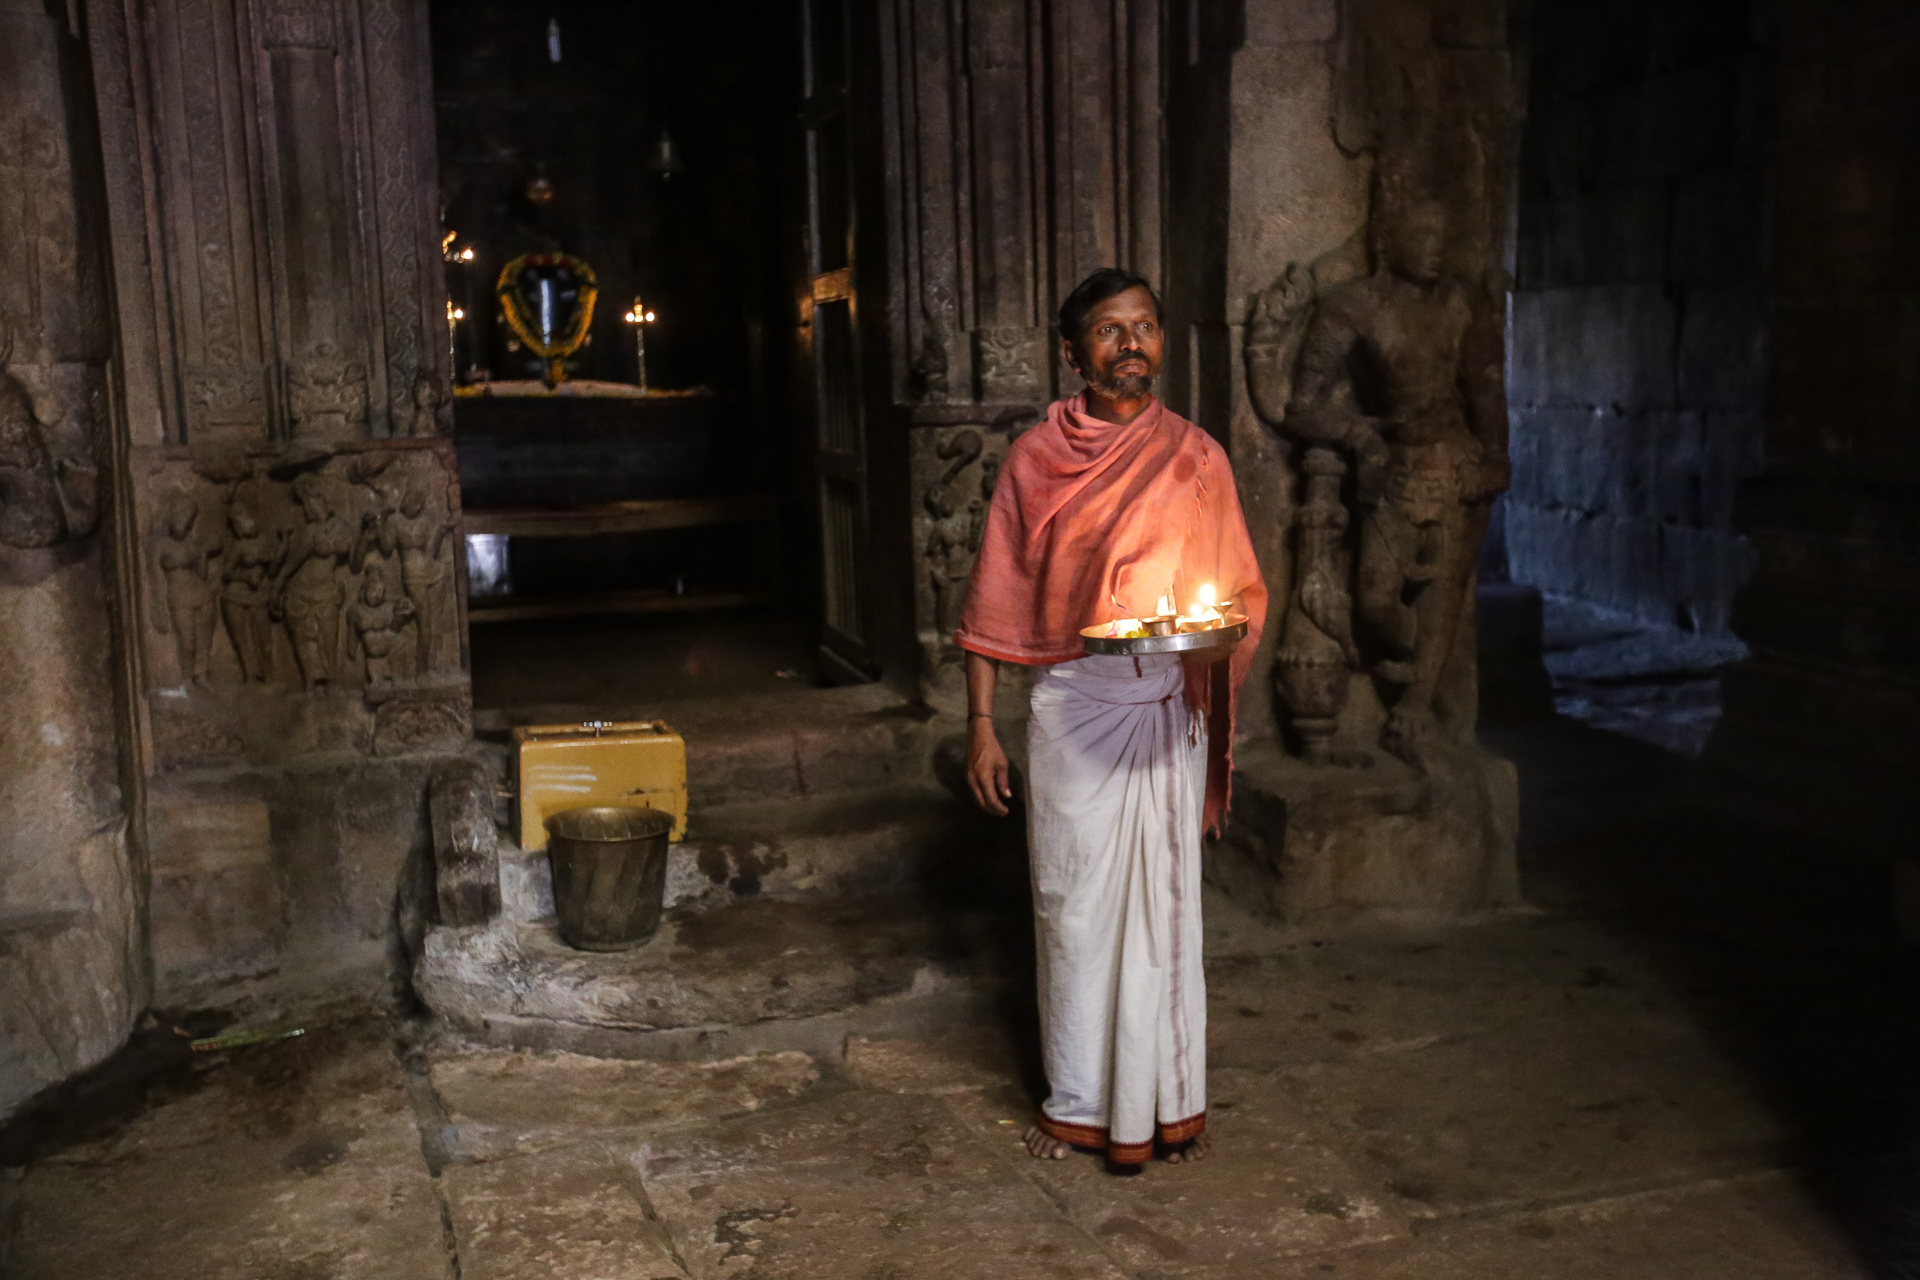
x,y
638,534
1636,382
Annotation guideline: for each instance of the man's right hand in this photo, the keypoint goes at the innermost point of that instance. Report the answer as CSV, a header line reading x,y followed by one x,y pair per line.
x,y
987,770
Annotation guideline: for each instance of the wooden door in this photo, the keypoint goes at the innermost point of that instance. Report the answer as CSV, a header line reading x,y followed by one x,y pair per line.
x,y
840,450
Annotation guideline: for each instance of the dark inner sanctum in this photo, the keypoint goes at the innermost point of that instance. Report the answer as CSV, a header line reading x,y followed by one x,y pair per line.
x,y
527,542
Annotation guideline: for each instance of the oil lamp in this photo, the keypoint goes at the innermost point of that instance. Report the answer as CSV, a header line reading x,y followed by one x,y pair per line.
x,y
1206,612
639,317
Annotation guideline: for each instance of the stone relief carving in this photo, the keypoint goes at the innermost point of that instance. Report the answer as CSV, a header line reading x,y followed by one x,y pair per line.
x,y
1010,364
49,482
1377,380
955,471
426,570
226,402
307,590
374,625
429,398
277,553
185,565
299,24
326,394
930,366
248,561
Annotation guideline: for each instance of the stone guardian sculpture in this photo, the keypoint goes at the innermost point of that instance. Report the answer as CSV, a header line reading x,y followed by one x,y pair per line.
x,y
1381,376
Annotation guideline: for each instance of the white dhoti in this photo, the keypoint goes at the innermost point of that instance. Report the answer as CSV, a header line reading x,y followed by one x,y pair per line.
x,y
1116,781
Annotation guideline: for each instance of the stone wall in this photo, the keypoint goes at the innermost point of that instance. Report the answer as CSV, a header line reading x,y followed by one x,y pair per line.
x,y
1638,327
1823,723
72,971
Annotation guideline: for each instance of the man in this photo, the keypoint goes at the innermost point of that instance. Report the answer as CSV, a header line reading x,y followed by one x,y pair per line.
x,y
1109,506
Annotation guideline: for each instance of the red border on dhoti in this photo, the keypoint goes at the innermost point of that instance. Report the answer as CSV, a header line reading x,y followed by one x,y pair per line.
x,y
1096,1137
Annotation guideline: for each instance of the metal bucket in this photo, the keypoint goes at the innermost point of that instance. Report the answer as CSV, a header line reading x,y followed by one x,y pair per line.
x,y
609,875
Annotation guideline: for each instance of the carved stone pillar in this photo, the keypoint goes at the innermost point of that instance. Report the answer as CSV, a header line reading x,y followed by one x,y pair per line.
x,y
1022,147
293,583
72,976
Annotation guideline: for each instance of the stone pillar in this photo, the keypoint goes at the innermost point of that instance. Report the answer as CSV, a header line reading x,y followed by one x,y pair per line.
x,y
1822,724
1022,150
1344,200
294,577
72,976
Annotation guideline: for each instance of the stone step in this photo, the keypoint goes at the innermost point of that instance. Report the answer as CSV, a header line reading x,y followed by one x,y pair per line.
x,y
766,747
753,975
916,836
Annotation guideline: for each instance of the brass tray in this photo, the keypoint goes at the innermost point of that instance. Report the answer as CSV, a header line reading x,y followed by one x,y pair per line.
x,y
1180,642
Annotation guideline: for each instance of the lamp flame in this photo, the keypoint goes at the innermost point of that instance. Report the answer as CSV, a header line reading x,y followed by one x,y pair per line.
x,y
1206,613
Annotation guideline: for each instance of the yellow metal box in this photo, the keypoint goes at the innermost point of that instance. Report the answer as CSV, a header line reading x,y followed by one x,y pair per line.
x,y
601,762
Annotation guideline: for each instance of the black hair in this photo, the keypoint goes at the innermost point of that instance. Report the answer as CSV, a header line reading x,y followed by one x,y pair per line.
x,y
1107,282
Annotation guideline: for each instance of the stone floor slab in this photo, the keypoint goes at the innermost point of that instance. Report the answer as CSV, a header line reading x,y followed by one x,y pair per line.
x,y
1754,1228
297,1159
1272,1189
501,1103
1590,1104
864,1185
572,1213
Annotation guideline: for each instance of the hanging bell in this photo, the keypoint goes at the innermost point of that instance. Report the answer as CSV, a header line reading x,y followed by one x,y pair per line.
x,y
666,157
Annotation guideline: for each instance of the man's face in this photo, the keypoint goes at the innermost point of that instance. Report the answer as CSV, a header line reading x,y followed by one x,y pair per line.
x,y
1119,354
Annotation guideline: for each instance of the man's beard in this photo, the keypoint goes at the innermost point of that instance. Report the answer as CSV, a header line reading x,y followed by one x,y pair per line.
x,y
1126,387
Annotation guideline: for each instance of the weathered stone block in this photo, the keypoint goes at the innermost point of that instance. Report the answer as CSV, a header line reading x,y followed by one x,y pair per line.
x,y
437,721
1609,346
1276,22
1723,349
1595,238
466,859
1327,846
191,833
1470,24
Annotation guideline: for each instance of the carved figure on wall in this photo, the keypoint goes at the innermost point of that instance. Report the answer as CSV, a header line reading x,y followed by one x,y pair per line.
x,y
374,623
1389,377
950,548
420,536
308,592
1316,642
248,563
44,499
186,576
327,393
929,368
428,396
30,511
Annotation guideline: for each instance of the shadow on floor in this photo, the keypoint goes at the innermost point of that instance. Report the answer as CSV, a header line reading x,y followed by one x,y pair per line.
x,y
1786,948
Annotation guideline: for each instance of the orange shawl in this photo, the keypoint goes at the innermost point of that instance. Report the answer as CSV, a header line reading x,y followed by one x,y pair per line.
x,y
1093,521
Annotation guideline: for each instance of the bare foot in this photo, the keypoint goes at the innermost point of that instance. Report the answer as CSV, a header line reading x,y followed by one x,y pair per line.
x,y
1045,1146
1187,1152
